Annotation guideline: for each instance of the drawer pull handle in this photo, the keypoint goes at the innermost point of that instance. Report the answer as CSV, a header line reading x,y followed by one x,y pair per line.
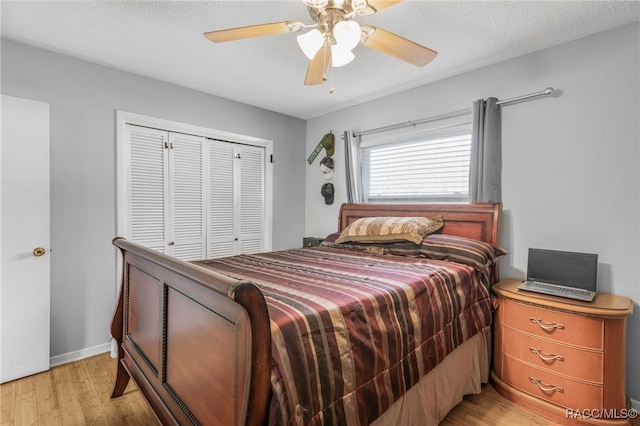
x,y
545,387
546,325
546,357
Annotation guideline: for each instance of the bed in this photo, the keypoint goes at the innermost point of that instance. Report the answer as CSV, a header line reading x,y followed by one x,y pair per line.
x,y
322,335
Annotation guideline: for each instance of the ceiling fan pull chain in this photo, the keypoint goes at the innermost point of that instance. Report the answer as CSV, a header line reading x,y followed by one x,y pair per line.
x,y
331,88
328,65
325,62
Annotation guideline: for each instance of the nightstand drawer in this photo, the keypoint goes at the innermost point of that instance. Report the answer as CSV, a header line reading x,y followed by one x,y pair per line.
x,y
571,361
550,387
563,327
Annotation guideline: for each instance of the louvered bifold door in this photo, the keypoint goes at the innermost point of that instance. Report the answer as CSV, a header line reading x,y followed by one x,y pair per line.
x,y
147,189
222,236
252,200
187,230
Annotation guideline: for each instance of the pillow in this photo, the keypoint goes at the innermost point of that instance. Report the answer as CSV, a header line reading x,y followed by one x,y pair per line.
x,y
478,254
403,248
331,238
330,241
388,229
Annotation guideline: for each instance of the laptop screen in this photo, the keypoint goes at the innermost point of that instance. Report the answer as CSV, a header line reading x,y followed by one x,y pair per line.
x,y
570,269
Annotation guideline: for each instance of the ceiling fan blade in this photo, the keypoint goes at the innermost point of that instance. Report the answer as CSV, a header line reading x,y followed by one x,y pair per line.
x,y
248,32
379,5
317,70
399,47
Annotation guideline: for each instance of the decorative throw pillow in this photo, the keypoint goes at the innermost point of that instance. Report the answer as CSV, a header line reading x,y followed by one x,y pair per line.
x,y
388,229
478,254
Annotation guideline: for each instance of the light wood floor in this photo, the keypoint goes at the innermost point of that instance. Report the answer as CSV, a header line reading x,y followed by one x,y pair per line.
x,y
78,394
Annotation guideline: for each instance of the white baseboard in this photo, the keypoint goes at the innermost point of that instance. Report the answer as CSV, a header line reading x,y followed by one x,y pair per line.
x,y
78,355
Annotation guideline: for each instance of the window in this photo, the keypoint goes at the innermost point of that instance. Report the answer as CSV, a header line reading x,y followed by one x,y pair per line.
x,y
430,166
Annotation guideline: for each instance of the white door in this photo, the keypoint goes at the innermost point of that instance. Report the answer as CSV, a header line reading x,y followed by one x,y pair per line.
x,y
187,226
24,238
165,192
147,196
222,238
251,199
192,197
236,183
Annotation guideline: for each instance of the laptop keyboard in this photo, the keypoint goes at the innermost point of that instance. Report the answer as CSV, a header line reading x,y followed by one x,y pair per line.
x,y
560,291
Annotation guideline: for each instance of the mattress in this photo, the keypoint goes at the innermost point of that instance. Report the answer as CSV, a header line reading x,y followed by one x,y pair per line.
x,y
352,332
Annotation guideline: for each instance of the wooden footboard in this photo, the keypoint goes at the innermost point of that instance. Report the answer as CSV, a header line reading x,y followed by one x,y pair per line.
x,y
197,343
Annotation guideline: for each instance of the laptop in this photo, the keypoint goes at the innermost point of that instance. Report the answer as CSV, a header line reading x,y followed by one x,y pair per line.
x,y
562,273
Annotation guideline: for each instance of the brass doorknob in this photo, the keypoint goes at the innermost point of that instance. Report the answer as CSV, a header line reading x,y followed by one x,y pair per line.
x,y
39,251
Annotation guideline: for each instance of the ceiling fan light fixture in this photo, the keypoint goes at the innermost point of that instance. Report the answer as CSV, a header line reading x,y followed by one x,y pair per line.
x,y
340,55
347,34
362,8
311,42
316,3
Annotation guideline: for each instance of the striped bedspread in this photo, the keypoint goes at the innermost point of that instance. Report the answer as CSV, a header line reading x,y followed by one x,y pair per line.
x,y
353,331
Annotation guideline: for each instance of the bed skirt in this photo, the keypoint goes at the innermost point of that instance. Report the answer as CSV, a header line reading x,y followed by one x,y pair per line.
x,y
461,373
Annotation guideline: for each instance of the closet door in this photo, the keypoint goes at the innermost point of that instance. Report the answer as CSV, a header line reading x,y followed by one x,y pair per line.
x,y
192,197
251,198
148,189
236,199
186,214
222,232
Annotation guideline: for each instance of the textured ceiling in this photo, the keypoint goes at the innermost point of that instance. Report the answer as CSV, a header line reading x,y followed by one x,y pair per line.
x,y
163,40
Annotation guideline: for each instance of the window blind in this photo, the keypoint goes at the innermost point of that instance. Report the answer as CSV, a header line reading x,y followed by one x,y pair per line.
x,y
427,169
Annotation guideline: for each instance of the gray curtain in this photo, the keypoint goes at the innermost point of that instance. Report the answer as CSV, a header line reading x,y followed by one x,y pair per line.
x,y
352,165
486,153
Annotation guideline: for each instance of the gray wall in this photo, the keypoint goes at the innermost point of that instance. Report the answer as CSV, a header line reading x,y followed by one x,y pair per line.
x,y
83,98
571,172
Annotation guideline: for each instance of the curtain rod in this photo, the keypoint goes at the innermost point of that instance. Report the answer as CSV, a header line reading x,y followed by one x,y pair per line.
x,y
546,92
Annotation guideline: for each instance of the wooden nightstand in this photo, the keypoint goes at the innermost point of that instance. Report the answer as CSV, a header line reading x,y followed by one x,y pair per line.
x,y
553,355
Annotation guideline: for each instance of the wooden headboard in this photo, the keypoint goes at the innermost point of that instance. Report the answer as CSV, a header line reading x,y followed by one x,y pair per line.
x,y
477,221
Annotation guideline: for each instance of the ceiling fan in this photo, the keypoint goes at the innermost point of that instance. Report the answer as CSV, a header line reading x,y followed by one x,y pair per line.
x,y
334,34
